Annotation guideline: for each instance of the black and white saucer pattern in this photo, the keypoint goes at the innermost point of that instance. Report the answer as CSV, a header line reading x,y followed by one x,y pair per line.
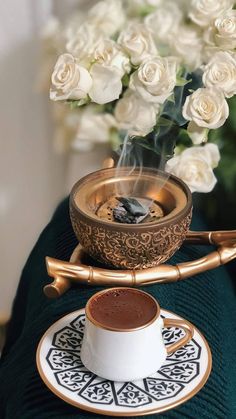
x,y
60,366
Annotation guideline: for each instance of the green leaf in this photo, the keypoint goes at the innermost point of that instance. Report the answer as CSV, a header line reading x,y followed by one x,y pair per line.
x,y
146,10
109,108
171,98
125,80
115,139
78,103
164,122
180,81
161,141
183,139
183,131
180,71
146,145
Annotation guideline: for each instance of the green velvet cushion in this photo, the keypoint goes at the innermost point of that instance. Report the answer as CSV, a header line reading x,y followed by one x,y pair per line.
x,y
207,300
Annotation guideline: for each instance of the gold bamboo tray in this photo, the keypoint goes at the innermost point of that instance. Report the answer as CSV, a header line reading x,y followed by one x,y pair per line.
x,y
80,271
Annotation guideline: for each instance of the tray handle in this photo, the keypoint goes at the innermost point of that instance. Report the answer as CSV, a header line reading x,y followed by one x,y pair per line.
x,y
64,273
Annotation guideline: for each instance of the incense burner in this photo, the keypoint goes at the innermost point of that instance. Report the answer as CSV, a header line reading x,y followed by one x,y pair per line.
x,y
130,246
137,250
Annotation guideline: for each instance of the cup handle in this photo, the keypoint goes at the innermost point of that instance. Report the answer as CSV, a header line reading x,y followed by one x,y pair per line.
x,y
183,324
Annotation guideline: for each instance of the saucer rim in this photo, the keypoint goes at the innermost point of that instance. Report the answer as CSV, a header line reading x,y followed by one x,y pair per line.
x,y
81,406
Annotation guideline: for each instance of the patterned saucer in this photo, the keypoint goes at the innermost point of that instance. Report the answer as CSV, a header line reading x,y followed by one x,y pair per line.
x,y
58,360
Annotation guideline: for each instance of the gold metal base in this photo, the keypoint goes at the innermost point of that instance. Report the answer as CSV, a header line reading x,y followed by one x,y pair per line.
x,y
78,272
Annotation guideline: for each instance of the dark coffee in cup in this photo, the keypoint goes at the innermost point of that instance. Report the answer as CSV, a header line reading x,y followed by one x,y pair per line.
x,y
122,308
123,335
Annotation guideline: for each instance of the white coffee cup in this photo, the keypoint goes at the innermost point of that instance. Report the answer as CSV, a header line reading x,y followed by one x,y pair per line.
x,y
127,354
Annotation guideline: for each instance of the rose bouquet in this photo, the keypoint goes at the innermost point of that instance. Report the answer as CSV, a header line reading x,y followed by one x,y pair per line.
x,y
149,74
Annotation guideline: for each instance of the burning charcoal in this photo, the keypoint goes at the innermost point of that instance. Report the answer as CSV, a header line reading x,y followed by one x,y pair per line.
x,y
129,211
133,206
121,215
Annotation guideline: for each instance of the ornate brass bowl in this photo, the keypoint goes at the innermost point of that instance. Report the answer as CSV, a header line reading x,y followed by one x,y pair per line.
x,y
130,246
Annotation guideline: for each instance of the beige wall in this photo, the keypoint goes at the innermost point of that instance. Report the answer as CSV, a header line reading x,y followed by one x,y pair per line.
x,y
31,175
33,178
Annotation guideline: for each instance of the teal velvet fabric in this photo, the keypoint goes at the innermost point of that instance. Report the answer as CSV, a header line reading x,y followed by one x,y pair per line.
x,y
207,300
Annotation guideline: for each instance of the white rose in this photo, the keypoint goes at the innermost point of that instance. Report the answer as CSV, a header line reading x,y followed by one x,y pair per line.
x,y
225,26
138,43
108,16
135,115
187,44
93,128
110,54
208,52
141,4
210,153
155,79
153,3
206,107
197,134
83,43
220,72
137,7
222,33
202,12
183,5
164,21
194,167
73,23
69,79
107,84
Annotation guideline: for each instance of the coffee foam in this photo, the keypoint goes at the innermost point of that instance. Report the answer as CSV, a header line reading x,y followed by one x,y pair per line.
x,y
122,309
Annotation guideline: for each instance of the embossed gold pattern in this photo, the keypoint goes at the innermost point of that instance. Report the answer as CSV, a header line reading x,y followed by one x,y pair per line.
x,y
131,246
125,249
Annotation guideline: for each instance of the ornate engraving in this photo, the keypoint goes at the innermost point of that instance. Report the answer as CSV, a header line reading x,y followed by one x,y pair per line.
x,y
98,392
131,395
129,250
172,334
74,379
62,360
189,352
79,323
68,338
160,389
182,372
